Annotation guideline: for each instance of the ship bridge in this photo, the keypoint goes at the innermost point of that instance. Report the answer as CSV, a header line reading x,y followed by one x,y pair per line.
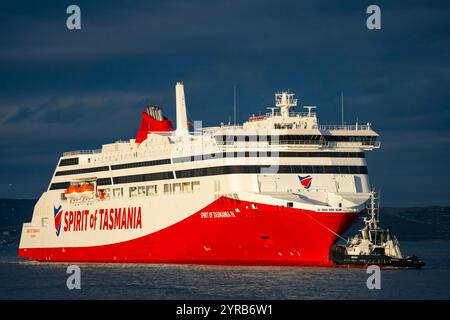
x,y
281,126
280,116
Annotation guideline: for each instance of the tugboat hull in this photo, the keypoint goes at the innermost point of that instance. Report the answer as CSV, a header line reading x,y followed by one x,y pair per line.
x,y
341,259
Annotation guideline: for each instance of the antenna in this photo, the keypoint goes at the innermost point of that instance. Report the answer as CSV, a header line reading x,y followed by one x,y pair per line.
x,y
309,109
378,210
373,215
285,100
272,109
234,105
342,107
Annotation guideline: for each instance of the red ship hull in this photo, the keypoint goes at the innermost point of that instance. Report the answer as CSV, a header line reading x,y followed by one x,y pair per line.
x,y
255,234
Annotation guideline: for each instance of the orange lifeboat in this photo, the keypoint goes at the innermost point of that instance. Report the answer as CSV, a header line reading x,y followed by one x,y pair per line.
x,y
87,190
72,189
72,192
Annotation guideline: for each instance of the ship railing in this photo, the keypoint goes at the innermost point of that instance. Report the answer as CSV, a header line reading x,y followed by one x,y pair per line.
x,y
207,130
78,152
231,126
275,142
371,144
374,144
291,114
321,143
344,127
300,142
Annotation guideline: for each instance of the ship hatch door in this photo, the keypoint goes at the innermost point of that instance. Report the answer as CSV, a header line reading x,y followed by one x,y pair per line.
x,y
267,183
358,184
345,183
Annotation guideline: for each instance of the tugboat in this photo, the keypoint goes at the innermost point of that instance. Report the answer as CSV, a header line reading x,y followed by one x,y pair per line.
x,y
373,246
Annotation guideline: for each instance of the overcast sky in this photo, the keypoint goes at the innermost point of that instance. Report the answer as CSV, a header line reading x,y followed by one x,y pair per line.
x,y
64,90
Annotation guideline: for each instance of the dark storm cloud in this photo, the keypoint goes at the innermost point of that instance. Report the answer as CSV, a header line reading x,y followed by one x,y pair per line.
x,y
63,90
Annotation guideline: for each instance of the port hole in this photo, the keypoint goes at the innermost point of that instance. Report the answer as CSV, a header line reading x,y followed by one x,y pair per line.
x,y
290,204
265,237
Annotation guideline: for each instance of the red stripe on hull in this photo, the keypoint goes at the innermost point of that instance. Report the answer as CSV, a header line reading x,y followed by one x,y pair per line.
x,y
261,235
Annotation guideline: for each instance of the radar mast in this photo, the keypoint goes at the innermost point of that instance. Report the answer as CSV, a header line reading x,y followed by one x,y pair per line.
x,y
285,100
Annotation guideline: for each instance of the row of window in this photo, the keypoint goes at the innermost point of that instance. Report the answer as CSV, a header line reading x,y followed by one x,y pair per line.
x,y
104,181
107,193
151,190
147,191
143,191
80,171
59,185
68,162
221,170
322,154
183,187
229,139
281,154
265,138
65,185
351,138
140,164
220,155
143,177
211,171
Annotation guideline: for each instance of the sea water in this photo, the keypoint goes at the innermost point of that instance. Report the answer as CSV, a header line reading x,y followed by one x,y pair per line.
x,y
20,279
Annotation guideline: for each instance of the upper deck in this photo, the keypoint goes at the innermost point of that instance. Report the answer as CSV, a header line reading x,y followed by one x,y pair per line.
x,y
278,129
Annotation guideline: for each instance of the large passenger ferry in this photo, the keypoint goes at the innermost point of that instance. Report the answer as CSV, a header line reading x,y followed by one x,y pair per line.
x,y
277,190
